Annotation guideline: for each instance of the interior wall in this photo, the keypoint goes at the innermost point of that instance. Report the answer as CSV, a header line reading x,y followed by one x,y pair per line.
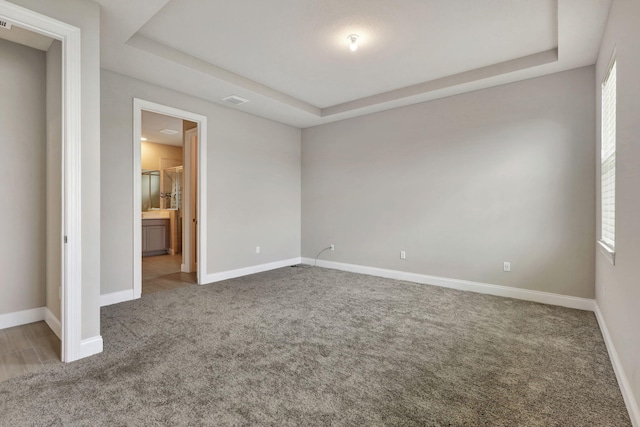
x,y
151,153
618,286
253,182
54,177
22,171
462,184
85,15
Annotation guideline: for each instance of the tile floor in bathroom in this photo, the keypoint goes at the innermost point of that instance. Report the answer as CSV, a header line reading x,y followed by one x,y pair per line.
x,y
162,273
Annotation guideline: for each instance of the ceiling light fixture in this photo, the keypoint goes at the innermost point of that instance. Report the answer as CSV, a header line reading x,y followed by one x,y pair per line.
x,y
143,139
353,42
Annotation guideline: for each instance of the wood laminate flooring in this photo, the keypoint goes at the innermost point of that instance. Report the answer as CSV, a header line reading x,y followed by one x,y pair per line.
x,y
27,348
162,273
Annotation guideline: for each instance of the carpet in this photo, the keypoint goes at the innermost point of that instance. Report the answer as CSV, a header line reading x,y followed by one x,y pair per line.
x,y
308,346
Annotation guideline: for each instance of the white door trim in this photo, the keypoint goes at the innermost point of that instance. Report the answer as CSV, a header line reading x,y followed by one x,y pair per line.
x,y
71,165
138,106
188,250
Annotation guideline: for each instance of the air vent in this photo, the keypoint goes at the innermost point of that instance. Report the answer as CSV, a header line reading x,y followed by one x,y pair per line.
x,y
4,24
168,131
235,100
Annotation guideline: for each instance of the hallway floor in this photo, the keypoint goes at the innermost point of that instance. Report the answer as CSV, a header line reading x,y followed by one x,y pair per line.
x,y
162,273
27,348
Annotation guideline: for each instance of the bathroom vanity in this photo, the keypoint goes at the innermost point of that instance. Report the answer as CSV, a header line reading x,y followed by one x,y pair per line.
x,y
155,236
161,218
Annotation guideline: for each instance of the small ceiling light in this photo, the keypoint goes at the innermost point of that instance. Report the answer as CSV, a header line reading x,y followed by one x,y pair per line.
x,y
143,139
353,42
168,131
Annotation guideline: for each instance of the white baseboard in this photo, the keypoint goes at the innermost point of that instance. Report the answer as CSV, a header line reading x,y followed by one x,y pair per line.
x,y
53,322
232,274
90,346
23,317
623,382
116,297
463,285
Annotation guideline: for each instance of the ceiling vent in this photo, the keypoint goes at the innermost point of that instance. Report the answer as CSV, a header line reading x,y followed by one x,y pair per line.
x,y
235,100
4,24
168,131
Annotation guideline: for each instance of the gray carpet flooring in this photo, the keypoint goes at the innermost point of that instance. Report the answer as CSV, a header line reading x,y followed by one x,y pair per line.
x,y
316,347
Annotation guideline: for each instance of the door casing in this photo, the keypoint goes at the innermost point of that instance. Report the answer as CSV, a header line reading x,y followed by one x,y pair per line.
x,y
201,167
71,236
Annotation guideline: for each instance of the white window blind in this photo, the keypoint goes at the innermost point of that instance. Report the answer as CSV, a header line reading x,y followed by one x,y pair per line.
x,y
608,158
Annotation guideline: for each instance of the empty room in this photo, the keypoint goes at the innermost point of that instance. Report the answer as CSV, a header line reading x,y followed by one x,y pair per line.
x,y
403,213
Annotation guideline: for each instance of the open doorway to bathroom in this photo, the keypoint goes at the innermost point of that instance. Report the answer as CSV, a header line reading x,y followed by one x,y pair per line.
x,y
194,195
168,154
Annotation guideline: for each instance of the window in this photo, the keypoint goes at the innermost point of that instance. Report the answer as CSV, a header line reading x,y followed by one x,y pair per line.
x,y
608,160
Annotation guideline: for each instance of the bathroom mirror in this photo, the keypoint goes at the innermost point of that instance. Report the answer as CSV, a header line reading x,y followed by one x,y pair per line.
x,y
150,190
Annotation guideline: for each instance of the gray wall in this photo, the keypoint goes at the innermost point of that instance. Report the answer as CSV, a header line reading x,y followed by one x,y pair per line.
x,y
22,173
86,16
54,177
462,184
253,182
618,287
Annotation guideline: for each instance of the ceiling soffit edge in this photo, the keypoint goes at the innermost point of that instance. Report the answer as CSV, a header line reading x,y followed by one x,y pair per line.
x,y
179,57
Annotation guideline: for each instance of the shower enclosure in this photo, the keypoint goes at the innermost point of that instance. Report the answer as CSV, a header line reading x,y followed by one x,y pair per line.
x,y
150,190
171,197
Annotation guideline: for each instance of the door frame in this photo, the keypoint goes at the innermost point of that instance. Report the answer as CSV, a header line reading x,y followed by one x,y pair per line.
x,y
138,106
71,250
189,255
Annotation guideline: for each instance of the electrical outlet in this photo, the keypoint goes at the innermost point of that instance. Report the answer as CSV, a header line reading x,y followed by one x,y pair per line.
x,y
507,266
332,247
257,249
403,255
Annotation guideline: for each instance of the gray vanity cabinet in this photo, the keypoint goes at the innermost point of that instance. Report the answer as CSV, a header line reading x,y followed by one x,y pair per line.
x,y
155,237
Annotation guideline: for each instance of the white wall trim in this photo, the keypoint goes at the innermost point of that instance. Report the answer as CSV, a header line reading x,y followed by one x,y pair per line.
x,y
91,346
116,297
463,285
625,388
17,318
71,125
138,106
24,317
53,322
232,274
188,245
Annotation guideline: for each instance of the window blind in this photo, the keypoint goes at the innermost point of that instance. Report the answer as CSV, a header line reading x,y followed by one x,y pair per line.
x,y
608,158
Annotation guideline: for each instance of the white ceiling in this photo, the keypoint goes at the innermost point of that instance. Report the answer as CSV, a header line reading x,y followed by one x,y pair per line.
x,y
25,37
153,123
291,59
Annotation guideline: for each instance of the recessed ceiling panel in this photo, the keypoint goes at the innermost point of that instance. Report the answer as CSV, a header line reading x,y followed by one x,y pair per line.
x,y
300,47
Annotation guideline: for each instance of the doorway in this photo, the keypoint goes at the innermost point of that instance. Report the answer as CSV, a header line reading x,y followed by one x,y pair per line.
x,y
168,182
67,239
168,193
